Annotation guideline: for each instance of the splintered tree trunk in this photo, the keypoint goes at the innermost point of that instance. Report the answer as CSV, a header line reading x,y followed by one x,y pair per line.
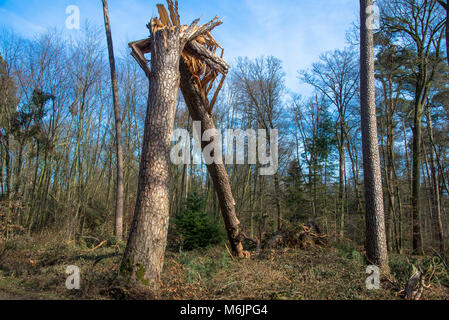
x,y
144,255
197,109
376,244
118,230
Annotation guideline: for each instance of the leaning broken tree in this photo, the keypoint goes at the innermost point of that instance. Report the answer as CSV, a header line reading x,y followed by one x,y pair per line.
x,y
143,259
200,110
200,67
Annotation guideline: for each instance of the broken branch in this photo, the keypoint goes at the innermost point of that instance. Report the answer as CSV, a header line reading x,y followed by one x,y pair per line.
x,y
200,52
193,31
139,49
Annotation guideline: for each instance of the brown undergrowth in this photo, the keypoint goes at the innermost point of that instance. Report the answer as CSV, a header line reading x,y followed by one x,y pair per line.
x,y
34,268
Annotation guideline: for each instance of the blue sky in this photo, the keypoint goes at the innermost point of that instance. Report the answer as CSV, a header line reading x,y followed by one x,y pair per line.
x,y
295,31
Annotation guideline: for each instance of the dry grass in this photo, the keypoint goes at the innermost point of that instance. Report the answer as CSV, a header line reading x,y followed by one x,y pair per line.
x,y
35,269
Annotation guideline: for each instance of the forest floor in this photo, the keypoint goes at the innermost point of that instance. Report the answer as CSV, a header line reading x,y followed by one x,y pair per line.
x,y
35,269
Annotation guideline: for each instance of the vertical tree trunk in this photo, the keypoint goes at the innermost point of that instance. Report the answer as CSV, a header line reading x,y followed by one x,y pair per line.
x,y
445,5
341,182
437,217
447,31
376,246
416,180
144,255
277,189
8,182
432,230
118,230
8,168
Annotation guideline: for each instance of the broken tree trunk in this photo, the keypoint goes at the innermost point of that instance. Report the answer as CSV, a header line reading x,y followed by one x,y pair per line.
x,y
144,256
199,112
199,69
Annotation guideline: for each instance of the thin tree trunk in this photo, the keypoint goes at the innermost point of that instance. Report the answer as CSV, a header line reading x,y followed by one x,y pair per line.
x,y
118,230
340,202
416,180
437,218
445,5
433,229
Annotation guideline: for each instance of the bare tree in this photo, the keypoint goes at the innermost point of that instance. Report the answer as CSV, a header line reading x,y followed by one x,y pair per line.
x,y
336,77
261,84
118,230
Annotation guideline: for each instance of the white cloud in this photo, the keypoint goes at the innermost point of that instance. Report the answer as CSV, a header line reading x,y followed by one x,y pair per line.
x,y
18,23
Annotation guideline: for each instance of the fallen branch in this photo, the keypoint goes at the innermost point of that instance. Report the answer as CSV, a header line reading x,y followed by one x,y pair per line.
x,y
229,252
100,245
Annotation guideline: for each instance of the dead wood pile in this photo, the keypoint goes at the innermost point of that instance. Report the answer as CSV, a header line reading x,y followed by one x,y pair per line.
x,y
309,236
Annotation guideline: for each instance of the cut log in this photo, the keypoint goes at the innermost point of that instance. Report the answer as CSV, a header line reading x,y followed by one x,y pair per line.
x,y
415,286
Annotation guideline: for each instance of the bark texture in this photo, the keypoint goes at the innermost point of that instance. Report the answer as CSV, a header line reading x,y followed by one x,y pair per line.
x,y
144,256
198,111
376,244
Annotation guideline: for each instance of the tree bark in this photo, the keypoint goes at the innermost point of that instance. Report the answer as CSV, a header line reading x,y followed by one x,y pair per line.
x,y
437,216
416,179
118,226
144,256
198,112
376,246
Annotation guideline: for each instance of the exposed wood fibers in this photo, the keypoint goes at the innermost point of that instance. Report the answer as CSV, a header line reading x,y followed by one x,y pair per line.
x,y
204,75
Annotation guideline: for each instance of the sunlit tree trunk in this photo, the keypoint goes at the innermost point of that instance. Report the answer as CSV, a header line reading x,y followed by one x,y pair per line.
x,y
144,255
118,230
376,245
